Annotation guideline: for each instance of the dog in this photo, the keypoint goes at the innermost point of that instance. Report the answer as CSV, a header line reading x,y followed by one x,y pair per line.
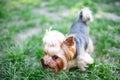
x,y
72,51
52,41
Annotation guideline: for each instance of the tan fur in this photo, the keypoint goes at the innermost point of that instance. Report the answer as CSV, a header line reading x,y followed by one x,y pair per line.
x,y
69,48
69,52
52,50
52,41
90,46
53,38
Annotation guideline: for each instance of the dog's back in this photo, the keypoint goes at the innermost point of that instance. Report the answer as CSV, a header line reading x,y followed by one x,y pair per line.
x,y
79,28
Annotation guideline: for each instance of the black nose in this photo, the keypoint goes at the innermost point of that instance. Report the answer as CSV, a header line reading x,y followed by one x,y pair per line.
x,y
46,65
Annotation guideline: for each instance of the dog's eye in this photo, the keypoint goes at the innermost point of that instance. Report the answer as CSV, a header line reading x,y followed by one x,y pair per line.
x,y
54,57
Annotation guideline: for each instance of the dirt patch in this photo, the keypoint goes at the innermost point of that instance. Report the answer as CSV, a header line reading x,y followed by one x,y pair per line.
x,y
45,12
43,4
16,22
117,4
112,16
99,14
108,15
110,59
114,49
65,12
117,37
24,35
1,52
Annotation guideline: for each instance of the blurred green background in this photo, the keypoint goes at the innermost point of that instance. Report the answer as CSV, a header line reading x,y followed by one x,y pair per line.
x,y
22,27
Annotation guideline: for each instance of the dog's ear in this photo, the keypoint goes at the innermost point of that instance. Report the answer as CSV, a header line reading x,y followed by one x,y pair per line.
x,y
69,47
69,41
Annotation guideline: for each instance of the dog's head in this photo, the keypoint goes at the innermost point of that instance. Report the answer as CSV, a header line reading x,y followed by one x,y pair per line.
x,y
55,44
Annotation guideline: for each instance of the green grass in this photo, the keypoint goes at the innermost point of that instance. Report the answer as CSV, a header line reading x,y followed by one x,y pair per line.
x,y
22,62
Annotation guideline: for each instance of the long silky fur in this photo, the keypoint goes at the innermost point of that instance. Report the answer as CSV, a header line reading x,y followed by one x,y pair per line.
x,y
69,51
52,41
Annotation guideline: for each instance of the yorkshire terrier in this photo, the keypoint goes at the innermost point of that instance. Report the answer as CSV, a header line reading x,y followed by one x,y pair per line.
x,y
72,51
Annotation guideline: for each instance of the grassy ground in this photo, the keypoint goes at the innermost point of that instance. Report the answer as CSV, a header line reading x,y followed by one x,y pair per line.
x,y
21,61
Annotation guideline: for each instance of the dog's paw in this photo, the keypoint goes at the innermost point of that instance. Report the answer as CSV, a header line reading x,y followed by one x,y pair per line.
x,y
66,70
81,69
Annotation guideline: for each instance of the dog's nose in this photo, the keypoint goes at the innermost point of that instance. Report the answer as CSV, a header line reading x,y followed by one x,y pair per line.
x,y
46,65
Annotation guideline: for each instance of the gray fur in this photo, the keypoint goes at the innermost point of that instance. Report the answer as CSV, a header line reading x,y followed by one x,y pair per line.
x,y
79,30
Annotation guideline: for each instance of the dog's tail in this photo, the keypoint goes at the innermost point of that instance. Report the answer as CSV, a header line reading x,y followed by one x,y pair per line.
x,y
85,14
